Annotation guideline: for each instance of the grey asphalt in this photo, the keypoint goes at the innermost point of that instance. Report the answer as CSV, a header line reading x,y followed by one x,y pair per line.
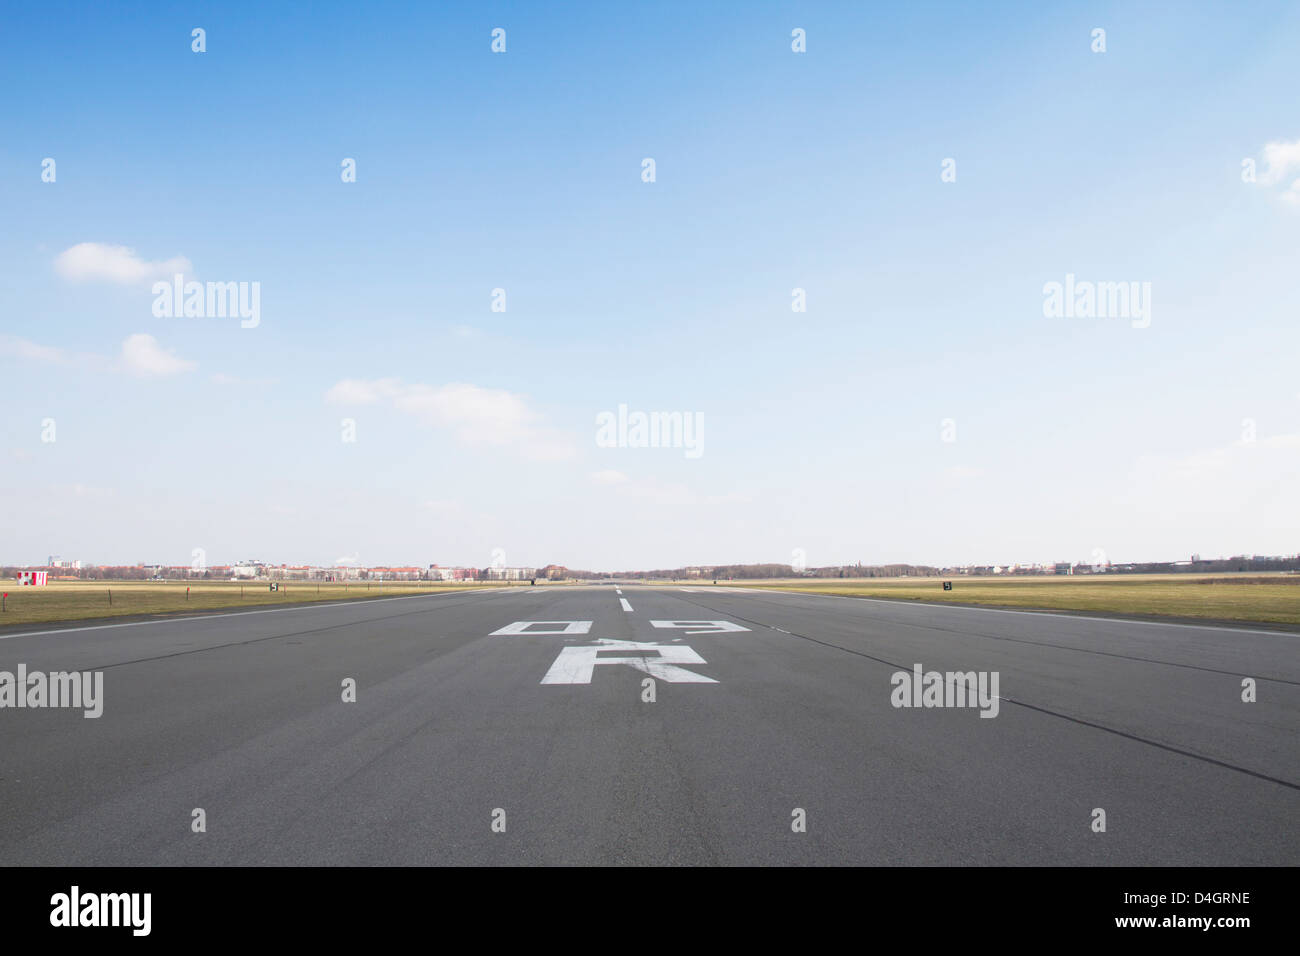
x,y
242,715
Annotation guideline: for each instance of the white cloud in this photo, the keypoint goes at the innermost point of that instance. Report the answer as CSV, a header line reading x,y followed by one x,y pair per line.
x,y
142,355
1279,160
221,378
476,416
960,473
78,490
97,260
1257,477
674,494
26,349
355,391
29,351
649,490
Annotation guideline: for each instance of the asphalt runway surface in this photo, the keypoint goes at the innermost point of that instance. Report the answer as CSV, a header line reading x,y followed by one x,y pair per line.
x,y
469,747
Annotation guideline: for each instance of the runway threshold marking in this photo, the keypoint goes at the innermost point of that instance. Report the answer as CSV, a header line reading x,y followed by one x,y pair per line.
x,y
532,628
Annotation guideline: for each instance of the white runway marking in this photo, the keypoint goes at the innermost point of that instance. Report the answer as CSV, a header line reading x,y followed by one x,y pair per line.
x,y
697,589
531,628
703,627
627,607
575,665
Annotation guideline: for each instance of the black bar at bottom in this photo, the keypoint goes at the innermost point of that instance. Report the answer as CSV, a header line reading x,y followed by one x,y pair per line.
x,y
337,905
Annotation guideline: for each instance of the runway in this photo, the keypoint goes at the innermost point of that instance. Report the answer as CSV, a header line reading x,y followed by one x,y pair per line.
x,y
515,727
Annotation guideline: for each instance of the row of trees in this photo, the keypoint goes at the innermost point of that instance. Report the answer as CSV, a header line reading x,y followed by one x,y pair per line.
x,y
729,572
724,572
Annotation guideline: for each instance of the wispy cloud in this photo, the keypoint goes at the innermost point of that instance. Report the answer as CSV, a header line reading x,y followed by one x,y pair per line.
x,y
960,473
15,347
88,261
1280,160
1261,474
139,354
668,494
79,490
28,351
142,355
221,378
475,415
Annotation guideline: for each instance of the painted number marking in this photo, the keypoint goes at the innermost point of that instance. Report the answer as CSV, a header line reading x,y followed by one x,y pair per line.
x,y
702,627
575,665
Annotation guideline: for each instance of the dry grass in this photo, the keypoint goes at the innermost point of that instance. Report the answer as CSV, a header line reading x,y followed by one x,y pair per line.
x,y
77,600
1273,599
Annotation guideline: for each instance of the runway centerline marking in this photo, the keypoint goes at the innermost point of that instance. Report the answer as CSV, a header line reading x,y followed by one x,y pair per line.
x,y
627,607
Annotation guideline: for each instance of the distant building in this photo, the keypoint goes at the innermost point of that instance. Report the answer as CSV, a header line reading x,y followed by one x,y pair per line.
x,y
34,578
436,573
297,572
400,574
509,574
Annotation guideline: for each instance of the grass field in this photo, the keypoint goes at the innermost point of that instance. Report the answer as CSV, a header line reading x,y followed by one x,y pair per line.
x,y
76,600
1273,599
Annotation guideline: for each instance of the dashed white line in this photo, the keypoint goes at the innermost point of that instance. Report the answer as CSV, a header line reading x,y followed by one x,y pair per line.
x,y
627,607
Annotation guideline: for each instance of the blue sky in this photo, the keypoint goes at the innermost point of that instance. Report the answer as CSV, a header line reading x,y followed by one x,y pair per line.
x,y
775,170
